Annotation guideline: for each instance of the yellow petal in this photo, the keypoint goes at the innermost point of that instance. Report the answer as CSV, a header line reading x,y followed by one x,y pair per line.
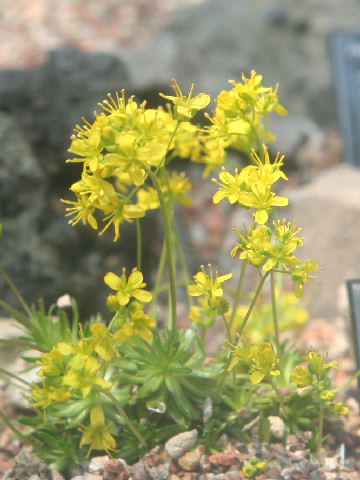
x,y
142,295
261,216
112,280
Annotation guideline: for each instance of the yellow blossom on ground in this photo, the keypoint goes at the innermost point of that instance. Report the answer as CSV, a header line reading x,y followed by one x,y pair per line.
x,y
97,434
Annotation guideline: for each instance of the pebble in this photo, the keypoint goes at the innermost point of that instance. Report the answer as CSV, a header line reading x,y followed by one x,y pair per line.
x,y
330,464
277,426
139,471
160,472
191,460
178,445
97,464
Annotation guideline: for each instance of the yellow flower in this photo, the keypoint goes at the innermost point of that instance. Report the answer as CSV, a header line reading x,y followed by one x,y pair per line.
x,y
177,187
51,363
253,244
207,285
266,172
120,212
83,210
339,409
265,362
97,434
85,379
102,342
139,324
318,363
148,198
126,288
327,395
301,275
262,198
186,107
301,376
43,396
231,185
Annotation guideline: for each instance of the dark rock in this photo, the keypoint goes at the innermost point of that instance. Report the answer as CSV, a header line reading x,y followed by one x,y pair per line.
x,y
27,465
44,256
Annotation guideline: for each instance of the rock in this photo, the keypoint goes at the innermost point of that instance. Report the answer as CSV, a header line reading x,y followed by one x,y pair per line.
x,y
226,458
328,209
44,256
160,472
97,464
191,460
277,426
218,39
178,445
26,465
139,471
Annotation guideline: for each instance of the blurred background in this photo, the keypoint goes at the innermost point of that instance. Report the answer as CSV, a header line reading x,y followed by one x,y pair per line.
x,y
58,59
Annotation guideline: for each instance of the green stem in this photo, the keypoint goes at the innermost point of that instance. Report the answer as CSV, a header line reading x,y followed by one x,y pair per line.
x,y
281,402
274,311
169,255
16,313
9,424
15,291
12,375
184,264
160,270
253,302
238,292
220,385
19,342
320,431
138,243
228,331
124,416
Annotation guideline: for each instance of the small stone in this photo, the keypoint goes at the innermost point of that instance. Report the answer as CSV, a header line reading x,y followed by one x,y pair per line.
x,y
191,460
205,465
215,476
190,476
331,475
92,476
227,458
277,426
233,475
34,477
153,459
139,472
116,468
178,445
160,472
97,464
330,464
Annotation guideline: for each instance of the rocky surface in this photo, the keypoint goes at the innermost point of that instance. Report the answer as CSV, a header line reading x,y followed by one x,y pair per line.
x,y
291,461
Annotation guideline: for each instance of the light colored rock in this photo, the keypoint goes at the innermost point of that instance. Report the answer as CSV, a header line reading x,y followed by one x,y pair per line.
x,y
191,460
178,445
277,426
328,210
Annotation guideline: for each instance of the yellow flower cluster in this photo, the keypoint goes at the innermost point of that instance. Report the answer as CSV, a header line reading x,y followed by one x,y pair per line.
x,y
72,368
240,120
252,187
315,374
117,150
259,358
